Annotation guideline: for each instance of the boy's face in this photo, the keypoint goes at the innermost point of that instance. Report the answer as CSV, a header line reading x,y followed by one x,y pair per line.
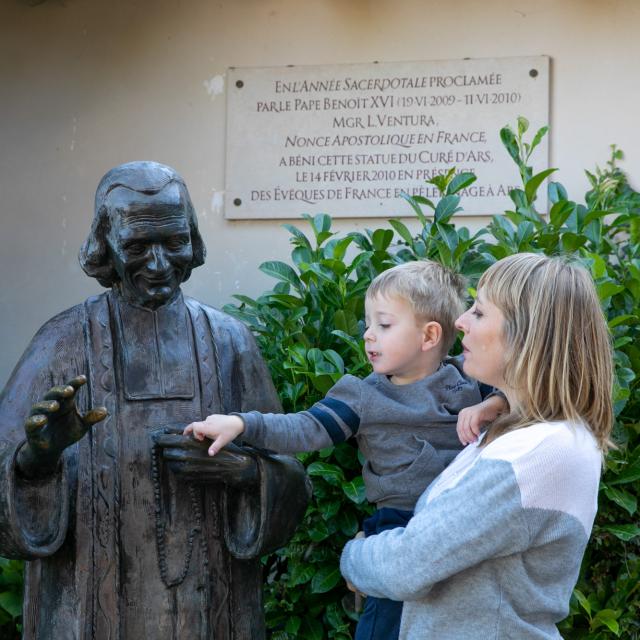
x,y
397,344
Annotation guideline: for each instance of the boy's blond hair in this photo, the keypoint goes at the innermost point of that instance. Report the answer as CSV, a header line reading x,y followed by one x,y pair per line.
x,y
434,292
558,355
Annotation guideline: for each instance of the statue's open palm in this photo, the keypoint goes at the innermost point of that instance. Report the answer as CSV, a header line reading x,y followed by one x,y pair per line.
x,y
53,425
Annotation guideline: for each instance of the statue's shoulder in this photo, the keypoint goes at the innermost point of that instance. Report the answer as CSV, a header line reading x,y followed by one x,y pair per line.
x,y
61,338
66,323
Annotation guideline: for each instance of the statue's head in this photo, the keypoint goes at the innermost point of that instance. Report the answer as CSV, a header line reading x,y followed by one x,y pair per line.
x,y
144,239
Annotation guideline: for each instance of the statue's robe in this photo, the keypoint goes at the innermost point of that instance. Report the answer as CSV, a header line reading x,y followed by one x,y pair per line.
x,y
90,532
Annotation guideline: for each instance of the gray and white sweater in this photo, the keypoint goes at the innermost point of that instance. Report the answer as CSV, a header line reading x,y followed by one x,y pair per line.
x,y
407,433
494,548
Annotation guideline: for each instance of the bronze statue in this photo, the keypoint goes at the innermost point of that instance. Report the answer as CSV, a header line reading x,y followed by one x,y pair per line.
x,y
130,529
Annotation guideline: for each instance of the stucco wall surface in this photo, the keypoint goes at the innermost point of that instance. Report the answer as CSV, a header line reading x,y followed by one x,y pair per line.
x,y
88,85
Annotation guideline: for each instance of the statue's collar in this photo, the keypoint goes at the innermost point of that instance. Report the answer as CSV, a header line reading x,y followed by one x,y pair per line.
x,y
156,349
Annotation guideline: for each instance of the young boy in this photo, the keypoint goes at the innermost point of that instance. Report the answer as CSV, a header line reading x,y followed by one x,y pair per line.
x,y
403,415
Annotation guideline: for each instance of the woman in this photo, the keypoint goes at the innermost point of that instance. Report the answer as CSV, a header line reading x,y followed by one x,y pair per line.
x,y
495,545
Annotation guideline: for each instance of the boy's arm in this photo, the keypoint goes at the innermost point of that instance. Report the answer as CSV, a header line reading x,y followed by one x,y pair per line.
x,y
281,432
472,419
331,420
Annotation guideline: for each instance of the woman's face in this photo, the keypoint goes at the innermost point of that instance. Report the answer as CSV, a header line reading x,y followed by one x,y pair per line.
x,y
483,343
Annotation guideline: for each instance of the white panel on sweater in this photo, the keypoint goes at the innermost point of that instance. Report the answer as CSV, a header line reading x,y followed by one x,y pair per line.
x,y
557,466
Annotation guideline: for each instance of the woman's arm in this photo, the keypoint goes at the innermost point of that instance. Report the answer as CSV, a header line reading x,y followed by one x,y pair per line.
x,y
479,518
537,483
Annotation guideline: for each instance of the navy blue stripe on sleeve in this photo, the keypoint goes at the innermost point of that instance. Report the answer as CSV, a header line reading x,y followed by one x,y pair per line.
x,y
329,423
344,412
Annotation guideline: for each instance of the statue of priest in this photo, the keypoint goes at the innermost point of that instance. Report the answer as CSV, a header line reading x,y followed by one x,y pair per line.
x,y
130,529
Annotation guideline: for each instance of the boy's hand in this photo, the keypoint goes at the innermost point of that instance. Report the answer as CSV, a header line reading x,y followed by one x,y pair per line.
x,y
472,419
220,428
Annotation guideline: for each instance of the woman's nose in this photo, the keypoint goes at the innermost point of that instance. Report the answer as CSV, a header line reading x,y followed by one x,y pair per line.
x,y
460,324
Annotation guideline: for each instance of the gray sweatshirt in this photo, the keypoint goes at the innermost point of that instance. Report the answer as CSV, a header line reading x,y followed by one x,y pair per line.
x,y
494,548
407,433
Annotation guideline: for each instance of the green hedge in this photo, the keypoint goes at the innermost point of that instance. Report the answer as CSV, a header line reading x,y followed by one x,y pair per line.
x,y
309,327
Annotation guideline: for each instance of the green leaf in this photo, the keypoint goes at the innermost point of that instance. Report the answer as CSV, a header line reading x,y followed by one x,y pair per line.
x,y
381,239
11,602
572,241
425,201
281,271
312,629
584,602
557,193
414,205
629,473
337,247
292,625
354,343
607,618
345,322
523,125
542,132
508,139
559,212
446,208
335,359
532,185
461,181
626,319
319,531
622,498
301,239
325,579
608,288
624,532
320,223
355,490
347,522
301,573
330,472
402,231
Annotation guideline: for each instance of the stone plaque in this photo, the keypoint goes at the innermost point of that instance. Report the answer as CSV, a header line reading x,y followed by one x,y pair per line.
x,y
348,139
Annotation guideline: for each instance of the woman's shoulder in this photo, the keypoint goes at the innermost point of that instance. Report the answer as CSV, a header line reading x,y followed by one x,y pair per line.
x,y
544,439
557,467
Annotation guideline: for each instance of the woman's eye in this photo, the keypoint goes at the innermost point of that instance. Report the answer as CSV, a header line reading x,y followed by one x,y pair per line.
x,y
385,326
476,313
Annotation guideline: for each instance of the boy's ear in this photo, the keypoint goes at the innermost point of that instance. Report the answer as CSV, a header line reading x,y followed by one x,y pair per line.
x,y
432,335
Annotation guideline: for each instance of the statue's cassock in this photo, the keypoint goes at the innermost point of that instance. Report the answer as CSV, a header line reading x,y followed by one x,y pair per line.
x,y
119,547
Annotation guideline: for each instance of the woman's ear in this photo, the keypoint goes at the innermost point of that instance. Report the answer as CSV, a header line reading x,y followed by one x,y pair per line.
x,y
431,335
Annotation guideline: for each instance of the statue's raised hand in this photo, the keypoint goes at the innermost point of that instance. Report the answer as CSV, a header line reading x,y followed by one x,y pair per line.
x,y
53,425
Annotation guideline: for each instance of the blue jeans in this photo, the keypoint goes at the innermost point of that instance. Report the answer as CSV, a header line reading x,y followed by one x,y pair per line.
x,y
380,619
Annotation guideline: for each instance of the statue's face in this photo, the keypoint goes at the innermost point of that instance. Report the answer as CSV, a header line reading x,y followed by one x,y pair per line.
x,y
149,243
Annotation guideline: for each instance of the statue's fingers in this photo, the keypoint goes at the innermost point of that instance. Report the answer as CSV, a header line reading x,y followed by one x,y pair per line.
x,y
77,382
45,407
94,415
177,441
60,393
35,423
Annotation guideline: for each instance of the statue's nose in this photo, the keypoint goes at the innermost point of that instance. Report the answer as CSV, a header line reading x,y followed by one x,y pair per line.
x,y
157,260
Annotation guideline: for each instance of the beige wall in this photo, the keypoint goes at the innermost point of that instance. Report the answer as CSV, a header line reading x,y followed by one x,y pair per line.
x,y
86,85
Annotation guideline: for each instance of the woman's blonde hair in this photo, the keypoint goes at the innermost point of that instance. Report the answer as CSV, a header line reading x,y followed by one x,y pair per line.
x,y
558,355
